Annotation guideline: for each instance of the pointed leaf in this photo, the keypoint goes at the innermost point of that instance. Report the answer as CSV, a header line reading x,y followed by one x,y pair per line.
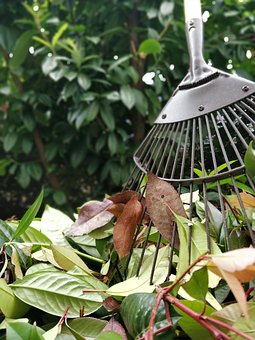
x,y
197,286
59,33
21,48
29,216
92,215
249,159
127,96
239,262
67,258
87,327
10,305
125,226
84,81
22,331
53,292
115,326
122,197
160,198
108,336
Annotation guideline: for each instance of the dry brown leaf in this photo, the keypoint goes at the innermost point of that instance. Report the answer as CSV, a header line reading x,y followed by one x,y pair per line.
x,y
122,197
239,262
115,326
125,226
237,289
160,196
116,209
92,215
247,199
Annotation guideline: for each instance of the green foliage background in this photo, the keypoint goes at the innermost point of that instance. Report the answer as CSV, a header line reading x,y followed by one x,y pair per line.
x,y
73,106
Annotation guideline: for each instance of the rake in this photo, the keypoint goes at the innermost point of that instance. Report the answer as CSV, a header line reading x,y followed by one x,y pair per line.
x,y
209,120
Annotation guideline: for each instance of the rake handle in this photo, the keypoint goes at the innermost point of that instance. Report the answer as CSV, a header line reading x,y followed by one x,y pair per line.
x,y
194,35
192,9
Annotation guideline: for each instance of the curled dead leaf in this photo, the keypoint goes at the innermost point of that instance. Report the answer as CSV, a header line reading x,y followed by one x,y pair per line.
x,y
116,209
125,226
111,305
92,215
239,262
247,199
122,197
160,196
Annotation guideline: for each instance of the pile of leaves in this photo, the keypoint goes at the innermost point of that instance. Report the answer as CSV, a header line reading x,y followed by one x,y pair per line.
x,y
62,279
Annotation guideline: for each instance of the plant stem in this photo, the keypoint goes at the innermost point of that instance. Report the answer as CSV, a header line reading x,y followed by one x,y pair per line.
x,y
95,259
169,288
225,325
198,317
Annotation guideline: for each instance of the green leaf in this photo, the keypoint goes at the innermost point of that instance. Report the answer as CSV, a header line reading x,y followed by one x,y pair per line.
x,y
198,242
67,258
54,224
43,42
107,117
166,7
127,96
59,33
21,48
53,333
221,167
59,197
87,327
120,61
34,236
84,81
53,292
249,159
141,102
108,336
191,327
10,140
49,64
29,216
27,145
23,331
35,171
142,284
10,305
197,286
149,46
112,143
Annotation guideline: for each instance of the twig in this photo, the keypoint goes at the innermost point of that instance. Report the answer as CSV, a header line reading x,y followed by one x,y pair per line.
x,y
198,317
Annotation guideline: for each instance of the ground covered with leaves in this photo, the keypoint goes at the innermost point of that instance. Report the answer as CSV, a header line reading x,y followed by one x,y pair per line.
x,y
105,275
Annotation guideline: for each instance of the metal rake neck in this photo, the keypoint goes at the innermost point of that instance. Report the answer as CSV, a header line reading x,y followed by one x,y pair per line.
x,y
199,72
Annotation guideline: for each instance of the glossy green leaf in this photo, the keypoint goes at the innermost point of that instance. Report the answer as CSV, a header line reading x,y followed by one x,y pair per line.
x,y
198,242
49,64
10,305
59,33
108,117
191,327
29,216
87,327
249,159
127,96
84,81
67,258
197,286
34,236
141,283
53,292
23,331
108,336
54,224
150,46
112,143
21,47
52,333
10,140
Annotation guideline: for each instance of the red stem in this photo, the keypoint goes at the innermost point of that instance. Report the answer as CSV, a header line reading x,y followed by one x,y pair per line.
x,y
225,325
197,317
